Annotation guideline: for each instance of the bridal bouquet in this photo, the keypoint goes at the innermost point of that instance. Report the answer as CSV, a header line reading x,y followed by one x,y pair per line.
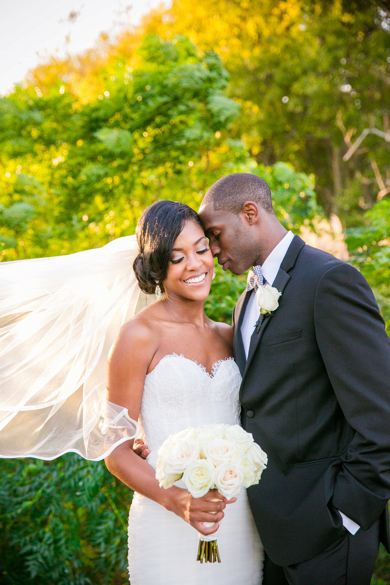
x,y
220,456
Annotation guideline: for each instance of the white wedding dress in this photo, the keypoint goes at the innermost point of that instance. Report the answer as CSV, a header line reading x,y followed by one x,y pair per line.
x,y
180,393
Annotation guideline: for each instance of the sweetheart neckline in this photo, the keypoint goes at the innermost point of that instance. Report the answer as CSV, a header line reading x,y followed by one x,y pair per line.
x,y
214,368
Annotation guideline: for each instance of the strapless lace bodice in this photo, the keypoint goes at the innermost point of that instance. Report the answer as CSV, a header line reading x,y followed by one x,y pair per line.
x,y
181,393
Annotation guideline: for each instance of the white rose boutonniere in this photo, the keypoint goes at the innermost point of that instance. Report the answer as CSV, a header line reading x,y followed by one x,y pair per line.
x,y
267,298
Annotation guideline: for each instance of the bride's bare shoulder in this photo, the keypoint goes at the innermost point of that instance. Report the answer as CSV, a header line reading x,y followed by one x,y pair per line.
x,y
225,331
139,335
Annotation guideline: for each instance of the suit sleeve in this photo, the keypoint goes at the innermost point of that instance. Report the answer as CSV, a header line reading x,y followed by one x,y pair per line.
x,y
356,353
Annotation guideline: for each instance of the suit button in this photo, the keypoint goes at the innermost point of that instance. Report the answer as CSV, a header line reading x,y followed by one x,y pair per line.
x,y
250,413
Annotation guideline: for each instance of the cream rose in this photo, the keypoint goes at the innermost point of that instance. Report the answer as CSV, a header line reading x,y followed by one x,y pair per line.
x,y
267,298
258,457
249,470
220,451
199,477
181,455
239,437
190,434
166,480
229,479
165,448
209,433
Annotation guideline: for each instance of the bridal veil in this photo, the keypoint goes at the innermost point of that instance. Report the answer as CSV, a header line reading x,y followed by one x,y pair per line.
x,y
59,317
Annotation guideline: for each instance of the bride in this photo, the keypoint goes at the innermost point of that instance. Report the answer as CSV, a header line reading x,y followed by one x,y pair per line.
x,y
181,374
170,367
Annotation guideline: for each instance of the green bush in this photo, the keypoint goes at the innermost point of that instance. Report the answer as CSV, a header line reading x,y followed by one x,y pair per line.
x,y
65,523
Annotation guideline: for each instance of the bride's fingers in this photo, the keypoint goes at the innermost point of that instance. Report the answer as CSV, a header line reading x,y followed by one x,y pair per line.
x,y
207,506
206,530
196,517
215,495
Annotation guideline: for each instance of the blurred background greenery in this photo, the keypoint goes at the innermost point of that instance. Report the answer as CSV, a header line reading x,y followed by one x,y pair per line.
x,y
294,91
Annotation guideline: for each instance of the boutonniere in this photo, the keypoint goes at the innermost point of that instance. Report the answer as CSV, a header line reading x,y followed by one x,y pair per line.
x,y
267,298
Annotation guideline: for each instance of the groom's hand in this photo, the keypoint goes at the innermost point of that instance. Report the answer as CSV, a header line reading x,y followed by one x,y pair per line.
x,y
140,448
196,511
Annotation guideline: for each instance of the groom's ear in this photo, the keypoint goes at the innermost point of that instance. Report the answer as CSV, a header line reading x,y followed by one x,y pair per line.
x,y
250,212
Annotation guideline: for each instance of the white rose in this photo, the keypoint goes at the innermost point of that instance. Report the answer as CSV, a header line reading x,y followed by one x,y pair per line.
x,y
220,451
240,438
257,476
199,477
250,473
229,479
267,298
189,434
165,448
181,455
209,433
258,457
166,480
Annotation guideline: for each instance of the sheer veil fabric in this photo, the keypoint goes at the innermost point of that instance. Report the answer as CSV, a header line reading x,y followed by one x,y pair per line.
x,y
59,317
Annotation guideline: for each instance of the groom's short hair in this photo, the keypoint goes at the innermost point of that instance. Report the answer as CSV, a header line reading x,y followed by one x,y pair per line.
x,y
231,192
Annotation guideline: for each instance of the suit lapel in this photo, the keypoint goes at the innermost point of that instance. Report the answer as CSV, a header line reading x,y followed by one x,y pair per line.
x,y
239,351
280,283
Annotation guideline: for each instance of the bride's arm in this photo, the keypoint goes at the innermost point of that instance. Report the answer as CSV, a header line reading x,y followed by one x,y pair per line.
x,y
127,367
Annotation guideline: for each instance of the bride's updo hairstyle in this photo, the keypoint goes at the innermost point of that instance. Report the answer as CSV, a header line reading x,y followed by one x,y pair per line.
x,y
157,230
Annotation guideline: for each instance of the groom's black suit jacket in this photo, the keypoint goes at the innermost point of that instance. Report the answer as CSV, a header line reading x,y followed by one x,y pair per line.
x,y
315,395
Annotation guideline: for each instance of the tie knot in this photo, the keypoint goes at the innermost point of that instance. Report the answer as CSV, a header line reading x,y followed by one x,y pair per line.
x,y
255,278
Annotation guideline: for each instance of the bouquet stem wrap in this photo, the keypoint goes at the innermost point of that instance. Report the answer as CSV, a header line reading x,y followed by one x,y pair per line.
x,y
208,551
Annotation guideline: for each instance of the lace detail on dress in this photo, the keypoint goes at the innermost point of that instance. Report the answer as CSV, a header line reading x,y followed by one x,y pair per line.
x,y
214,367
179,393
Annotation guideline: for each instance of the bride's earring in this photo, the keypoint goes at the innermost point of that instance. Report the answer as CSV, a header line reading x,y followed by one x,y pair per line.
x,y
214,273
158,293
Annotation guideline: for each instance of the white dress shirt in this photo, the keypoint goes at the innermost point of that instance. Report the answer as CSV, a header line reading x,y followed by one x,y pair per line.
x,y
270,269
252,313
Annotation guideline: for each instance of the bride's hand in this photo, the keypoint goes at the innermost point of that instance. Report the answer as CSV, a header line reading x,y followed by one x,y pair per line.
x,y
196,511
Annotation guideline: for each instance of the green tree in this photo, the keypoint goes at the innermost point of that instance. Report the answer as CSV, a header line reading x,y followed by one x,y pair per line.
x,y
370,249
310,76
87,170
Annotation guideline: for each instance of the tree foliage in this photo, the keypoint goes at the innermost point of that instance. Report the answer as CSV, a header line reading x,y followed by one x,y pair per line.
x,y
77,175
369,246
87,170
310,76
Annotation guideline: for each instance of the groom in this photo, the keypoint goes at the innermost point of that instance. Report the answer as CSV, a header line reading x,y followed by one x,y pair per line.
x,y
315,392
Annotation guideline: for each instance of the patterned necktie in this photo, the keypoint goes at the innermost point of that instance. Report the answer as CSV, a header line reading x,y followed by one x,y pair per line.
x,y
255,278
